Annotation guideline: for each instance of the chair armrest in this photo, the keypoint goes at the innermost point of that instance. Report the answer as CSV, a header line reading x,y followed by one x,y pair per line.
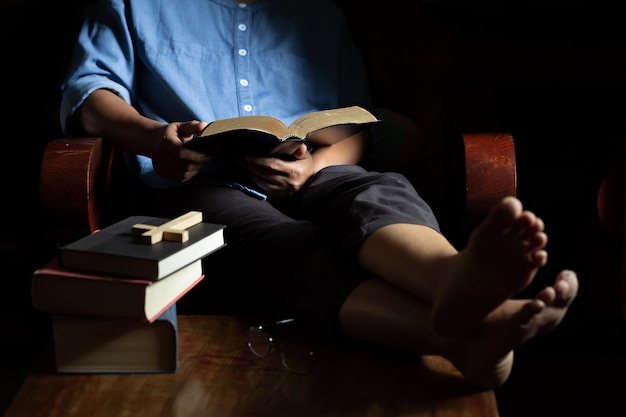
x,y
490,172
73,184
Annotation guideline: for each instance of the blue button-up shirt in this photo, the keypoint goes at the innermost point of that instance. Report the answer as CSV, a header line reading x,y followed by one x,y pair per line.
x,y
178,60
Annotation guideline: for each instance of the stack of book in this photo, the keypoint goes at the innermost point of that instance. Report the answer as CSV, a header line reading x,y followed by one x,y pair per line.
x,y
112,294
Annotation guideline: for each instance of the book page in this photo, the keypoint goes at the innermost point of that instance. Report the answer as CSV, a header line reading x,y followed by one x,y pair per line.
x,y
312,122
265,124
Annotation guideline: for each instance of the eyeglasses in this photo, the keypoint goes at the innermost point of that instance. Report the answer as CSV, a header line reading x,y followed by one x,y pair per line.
x,y
294,356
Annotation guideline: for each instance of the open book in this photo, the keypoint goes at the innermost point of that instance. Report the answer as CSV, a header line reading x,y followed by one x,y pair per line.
x,y
260,135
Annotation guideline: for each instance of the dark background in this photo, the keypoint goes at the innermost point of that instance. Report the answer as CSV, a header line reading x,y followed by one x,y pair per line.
x,y
552,73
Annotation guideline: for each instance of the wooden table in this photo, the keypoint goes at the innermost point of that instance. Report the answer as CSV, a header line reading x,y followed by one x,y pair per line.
x,y
219,376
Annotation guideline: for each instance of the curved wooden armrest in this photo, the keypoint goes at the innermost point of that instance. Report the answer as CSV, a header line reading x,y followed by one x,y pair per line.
x,y
490,172
76,175
73,184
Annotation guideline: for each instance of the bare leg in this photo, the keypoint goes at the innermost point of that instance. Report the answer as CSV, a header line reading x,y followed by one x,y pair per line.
x,y
501,258
432,299
381,313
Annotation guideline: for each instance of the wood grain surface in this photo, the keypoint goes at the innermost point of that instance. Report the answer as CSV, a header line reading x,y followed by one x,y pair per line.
x,y
219,376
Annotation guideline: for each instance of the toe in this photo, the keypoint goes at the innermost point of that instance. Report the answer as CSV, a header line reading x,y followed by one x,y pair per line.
x,y
547,295
566,285
530,310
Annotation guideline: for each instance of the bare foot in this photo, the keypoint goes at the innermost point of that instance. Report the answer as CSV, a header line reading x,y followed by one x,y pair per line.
x,y
501,258
486,357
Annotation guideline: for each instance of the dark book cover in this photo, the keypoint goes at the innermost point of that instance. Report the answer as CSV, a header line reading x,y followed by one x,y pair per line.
x,y
115,250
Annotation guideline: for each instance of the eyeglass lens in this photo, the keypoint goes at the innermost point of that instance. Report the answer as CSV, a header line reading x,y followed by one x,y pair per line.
x,y
259,342
294,356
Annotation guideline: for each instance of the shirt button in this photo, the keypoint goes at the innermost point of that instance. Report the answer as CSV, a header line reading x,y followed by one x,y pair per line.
x,y
242,27
243,5
243,52
243,82
247,108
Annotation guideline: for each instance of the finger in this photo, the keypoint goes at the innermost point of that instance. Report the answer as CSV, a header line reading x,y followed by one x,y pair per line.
x,y
300,151
187,129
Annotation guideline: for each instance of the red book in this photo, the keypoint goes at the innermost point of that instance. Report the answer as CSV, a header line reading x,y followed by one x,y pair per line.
x,y
59,290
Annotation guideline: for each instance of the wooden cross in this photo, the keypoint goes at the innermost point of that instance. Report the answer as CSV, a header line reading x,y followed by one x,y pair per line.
x,y
175,230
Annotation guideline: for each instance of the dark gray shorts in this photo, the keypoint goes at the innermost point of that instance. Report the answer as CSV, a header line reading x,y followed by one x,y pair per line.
x,y
296,257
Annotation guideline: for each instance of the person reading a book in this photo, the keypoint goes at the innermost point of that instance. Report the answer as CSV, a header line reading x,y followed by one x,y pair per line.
x,y
310,232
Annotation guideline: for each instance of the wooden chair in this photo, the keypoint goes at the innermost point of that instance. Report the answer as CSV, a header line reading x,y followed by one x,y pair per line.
x,y
84,186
